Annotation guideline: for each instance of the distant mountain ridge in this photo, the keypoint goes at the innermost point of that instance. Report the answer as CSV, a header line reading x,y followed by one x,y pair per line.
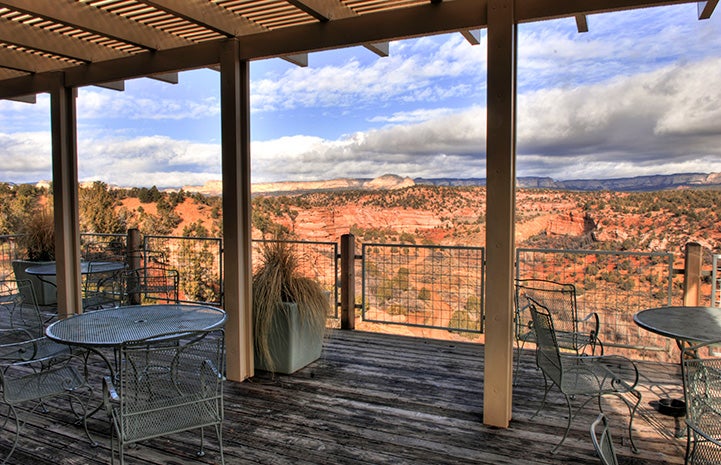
x,y
634,184
392,181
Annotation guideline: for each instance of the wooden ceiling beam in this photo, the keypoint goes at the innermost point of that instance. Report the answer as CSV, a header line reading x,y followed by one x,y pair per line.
x,y
323,10
540,10
425,19
300,59
705,8
382,49
13,32
581,23
28,63
92,19
473,37
170,78
209,15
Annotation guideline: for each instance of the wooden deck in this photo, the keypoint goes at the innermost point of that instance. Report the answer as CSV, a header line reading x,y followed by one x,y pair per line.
x,y
378,399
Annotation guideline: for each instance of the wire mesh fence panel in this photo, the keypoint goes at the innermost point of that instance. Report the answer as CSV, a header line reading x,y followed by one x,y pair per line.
x,y
198,261
614,284
316,260
103,247
429,286
8,253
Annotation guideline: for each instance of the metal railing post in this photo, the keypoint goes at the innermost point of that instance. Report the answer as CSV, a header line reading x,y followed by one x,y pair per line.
x,y
347,281
133,245
692,274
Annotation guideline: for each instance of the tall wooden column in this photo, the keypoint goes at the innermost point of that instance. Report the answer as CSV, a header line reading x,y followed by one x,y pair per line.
x,y
65,199
235,129
500,208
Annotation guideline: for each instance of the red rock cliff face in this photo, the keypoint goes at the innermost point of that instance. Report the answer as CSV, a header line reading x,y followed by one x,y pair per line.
x,y
573,223
329,225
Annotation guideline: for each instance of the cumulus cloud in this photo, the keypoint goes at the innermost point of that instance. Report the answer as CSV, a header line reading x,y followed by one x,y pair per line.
x,y
147,161
656,122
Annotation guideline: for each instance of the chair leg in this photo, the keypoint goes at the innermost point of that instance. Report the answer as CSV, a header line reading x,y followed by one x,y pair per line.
x,y
519,350
545,395
632,411
14,413
201,451
219,434
568,427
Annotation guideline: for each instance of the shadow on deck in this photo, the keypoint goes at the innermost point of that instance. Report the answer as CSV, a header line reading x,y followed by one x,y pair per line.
x,y
379,399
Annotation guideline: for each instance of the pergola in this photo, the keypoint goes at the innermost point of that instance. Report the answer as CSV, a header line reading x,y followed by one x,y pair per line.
x,y
55,46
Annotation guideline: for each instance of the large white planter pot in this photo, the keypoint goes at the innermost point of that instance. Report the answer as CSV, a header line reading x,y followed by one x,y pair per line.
x,y
46,292
292,344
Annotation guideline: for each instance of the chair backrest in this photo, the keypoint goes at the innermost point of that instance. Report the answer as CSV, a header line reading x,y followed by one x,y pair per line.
x,y
559,298
19,308
602,441
172,383
548,355
157,284
102,287
112,251
702,391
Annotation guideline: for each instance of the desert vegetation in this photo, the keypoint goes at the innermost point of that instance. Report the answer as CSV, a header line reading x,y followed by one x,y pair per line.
x,y
660,221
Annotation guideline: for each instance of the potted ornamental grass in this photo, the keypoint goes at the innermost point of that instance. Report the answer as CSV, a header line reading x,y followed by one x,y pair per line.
x,y
289,311
36,246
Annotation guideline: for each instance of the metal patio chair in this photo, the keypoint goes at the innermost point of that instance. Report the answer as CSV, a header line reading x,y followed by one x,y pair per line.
x,y
19,311
581,375
702,392
153,283
602,441
573,334
102,288
167,384
32,367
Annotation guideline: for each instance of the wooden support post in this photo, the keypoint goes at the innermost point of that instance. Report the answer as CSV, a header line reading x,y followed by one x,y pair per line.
x,y
65,200
692,275
347,281
500,211
235,134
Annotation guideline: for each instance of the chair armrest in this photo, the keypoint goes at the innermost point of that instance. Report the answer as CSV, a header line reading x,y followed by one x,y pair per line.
x,y
622,371
614,372
17,345
593,320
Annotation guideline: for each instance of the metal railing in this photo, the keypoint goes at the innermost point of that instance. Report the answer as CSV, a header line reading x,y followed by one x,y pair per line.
x,y
614,284
435,286
317,260
199,261
424,285
8,253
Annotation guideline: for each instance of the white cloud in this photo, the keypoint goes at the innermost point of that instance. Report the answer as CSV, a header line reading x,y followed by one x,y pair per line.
x,y
98,104
410,73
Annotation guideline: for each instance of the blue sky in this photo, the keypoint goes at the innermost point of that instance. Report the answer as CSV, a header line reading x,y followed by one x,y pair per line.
x,y
638,94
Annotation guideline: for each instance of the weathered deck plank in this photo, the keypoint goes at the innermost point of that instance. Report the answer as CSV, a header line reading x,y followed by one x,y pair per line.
x,y
377,399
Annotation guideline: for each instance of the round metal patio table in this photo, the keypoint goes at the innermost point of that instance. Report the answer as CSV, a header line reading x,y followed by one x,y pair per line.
x,y
49,269
110,328
685,324
114,326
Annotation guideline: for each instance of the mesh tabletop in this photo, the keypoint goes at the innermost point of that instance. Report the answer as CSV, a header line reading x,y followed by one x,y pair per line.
x,y
49,269
113,326
700,324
